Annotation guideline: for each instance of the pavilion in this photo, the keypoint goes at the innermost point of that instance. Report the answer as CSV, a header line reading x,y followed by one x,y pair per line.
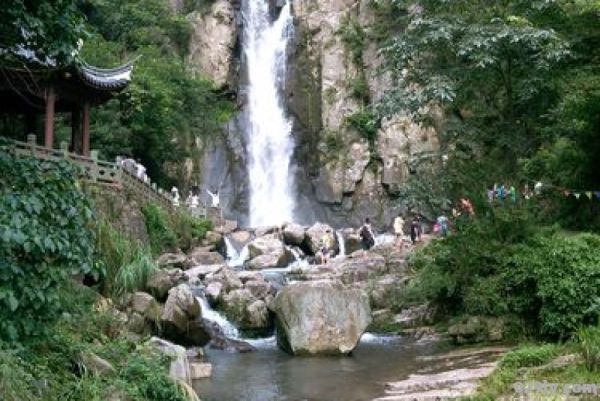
x,y
32,87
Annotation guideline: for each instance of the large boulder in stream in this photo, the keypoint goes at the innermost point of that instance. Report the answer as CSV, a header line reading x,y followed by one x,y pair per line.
x,y
249,313
293,234
179,319
320,317
268,251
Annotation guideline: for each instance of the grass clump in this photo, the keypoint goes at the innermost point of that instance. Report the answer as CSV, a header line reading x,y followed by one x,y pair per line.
x,y
589,346
168,232
126,263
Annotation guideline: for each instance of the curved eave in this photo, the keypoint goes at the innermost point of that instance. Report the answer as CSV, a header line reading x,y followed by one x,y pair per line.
x,y
114,79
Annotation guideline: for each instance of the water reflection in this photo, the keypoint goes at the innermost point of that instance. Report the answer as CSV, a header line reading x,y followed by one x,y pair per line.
x,y
272,375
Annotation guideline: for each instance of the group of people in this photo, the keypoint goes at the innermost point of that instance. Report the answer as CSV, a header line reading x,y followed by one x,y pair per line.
x,y
136,168
193,200
502,192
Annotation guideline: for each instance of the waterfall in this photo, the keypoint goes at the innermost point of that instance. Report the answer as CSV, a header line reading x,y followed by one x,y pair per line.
x,y
210,314
341,243
235,258
270,144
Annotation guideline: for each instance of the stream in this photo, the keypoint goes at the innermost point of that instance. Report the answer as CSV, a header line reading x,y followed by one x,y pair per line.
x,y
272,375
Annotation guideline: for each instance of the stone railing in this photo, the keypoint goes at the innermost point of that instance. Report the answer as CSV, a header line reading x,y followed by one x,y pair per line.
x,y
97,171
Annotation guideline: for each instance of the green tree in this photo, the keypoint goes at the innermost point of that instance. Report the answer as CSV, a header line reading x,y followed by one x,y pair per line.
x,y
53,29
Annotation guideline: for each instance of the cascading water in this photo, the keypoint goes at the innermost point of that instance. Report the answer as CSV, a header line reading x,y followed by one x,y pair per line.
x,y
270,144
341,243
235,258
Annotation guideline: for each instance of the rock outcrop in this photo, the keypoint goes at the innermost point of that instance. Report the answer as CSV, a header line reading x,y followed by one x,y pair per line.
x,y
321,317
214,35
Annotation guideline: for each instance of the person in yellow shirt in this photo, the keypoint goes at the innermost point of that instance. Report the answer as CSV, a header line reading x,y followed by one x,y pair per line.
x,y
326,246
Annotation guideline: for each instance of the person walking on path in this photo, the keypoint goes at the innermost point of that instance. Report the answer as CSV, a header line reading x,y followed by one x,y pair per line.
x,y
443,224
399,230
415,230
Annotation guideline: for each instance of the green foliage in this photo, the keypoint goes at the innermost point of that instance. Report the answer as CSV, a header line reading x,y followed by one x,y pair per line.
x,y
177,230
366,123
502,264
16,383
88,325
126,263
529,355
589,346
359,89
134,275
354,37
189,230
559,275
45,237
51,28
152,385
510,370
165,108
160,232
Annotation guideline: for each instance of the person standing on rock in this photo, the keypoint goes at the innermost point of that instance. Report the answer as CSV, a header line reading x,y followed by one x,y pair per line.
x,y
326,245
399,230
366,235
415,230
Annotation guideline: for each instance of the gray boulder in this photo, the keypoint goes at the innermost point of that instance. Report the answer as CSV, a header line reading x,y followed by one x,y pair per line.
x,y
161,281
179,319
239,239
179,368
227,276
171,260
320,317
246,311
202,257
273,252
293,234
361,267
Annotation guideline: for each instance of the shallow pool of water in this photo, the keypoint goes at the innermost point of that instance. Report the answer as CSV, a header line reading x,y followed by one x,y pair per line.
x,y
271,375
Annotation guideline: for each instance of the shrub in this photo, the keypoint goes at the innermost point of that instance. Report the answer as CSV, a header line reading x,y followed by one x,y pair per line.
x,y
160,232
366,123
150,383
16,382
559,276
533,355
45,236
127,265
134,275
589,346
189,230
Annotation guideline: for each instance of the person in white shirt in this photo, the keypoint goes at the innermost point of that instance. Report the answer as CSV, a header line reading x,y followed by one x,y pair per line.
x,y
140,171
214,198
175,196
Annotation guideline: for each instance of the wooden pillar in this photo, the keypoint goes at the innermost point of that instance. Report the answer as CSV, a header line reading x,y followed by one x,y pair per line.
x,y
86,129
49,122
76,127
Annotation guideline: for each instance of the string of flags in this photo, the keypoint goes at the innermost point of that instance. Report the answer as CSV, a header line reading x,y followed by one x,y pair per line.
x,y
590,194
570,192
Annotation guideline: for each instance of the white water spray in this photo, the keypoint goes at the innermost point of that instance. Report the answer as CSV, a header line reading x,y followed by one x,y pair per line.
x,y
268,130
341,243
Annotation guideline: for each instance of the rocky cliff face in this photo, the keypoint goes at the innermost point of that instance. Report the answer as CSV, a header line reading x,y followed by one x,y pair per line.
x,y
343,174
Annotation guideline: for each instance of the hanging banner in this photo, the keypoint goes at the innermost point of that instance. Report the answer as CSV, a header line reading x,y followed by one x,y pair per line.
x,y
589,195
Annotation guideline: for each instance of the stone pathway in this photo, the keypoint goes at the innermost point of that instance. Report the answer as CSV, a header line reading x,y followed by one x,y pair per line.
x,y
447,377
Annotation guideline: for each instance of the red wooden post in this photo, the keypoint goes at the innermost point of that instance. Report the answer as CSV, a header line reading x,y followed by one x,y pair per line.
x,y
86,129
49,123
